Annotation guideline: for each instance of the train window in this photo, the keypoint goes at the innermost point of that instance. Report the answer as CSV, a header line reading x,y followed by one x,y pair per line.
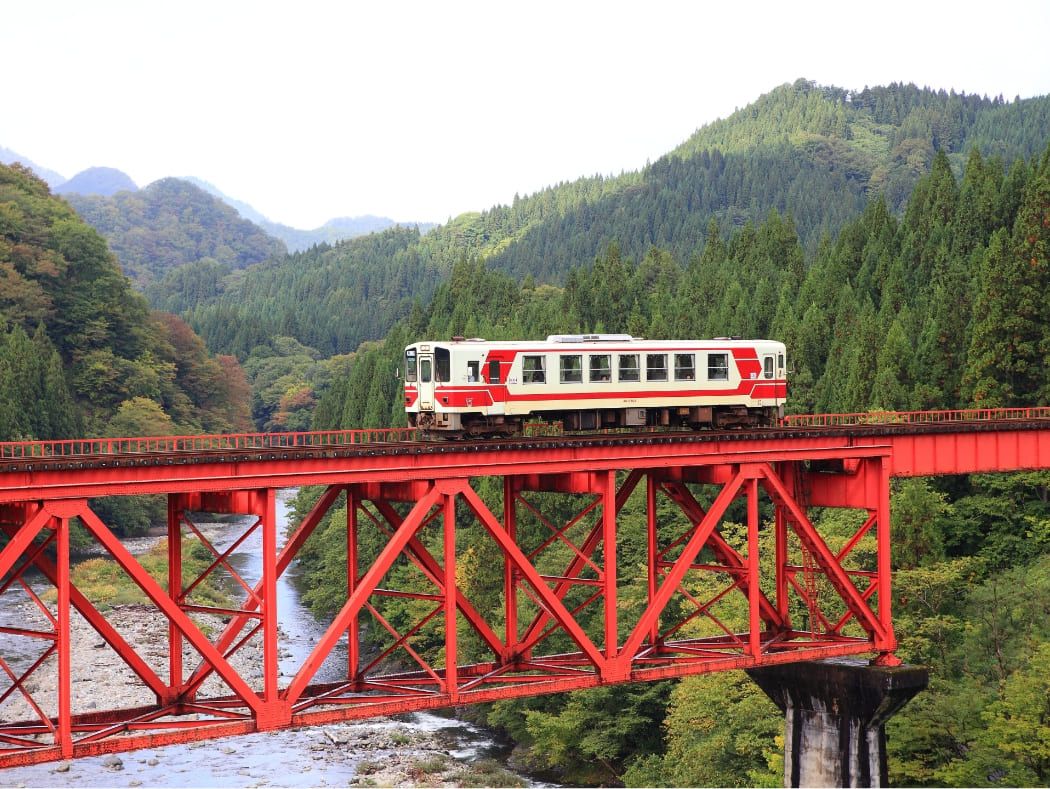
x,y
684,367
571,368
768,367
780,363
532,370
629,367
424,370
410,365
442,365
494,371
656,367
472,371
601,367
718,367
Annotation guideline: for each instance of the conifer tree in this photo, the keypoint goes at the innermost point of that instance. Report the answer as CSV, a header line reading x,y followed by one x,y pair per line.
x,y
1011,336
860,353
1032,238
1003,364
891,390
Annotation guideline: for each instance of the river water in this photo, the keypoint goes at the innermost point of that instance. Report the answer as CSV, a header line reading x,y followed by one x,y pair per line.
x,y
333,755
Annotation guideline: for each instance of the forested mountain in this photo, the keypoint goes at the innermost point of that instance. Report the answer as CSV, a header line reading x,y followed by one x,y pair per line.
x,y
80,352
882,127
101,181
172,222
815,155
241,207
944,306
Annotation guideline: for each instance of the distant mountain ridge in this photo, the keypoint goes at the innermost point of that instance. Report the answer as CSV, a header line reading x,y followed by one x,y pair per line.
x,y
297,240
102,181
53,179
107,181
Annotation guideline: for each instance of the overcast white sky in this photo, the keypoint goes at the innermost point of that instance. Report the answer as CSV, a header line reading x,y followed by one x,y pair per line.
x,y
420,111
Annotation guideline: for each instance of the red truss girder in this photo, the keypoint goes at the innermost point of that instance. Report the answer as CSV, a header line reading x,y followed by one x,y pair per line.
x,y
708,603
914,449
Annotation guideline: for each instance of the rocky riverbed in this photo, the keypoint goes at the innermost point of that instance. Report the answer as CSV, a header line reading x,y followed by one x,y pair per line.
x,y
377,753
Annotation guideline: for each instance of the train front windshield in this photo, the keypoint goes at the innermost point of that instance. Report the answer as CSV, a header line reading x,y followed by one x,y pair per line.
x,y
410,365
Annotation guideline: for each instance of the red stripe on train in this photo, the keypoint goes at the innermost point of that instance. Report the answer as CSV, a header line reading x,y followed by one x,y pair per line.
x,y
456,397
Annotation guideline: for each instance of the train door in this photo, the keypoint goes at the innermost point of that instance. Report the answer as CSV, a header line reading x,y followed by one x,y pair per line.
x,y
769,370
426,382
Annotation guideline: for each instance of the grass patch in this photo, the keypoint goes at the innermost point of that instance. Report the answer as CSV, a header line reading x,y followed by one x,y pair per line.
x,y
487,772
105,583
367,767
428,765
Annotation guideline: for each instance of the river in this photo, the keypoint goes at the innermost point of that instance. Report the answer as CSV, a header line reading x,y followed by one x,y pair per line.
x,y
414,748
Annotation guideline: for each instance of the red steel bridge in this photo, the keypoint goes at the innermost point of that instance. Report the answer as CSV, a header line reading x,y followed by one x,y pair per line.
x,y
736,573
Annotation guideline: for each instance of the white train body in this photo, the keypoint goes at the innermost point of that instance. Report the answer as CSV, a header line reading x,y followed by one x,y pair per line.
x,y
593,381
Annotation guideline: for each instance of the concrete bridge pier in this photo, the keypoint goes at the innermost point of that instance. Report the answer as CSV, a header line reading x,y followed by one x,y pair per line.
x,y
835,713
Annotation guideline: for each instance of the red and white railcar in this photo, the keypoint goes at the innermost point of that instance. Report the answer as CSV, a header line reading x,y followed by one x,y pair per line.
x,y
591,381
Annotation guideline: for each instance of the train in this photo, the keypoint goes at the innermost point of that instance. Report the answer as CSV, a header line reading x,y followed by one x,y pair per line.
x,y
475,387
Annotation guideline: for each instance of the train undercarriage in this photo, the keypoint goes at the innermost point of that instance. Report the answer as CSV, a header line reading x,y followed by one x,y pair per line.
x,y
475,425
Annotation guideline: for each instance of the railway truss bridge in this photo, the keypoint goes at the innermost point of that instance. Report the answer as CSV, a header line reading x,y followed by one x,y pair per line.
x,y
736,574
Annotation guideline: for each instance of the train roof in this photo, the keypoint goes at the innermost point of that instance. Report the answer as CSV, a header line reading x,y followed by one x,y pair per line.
x,y
557,342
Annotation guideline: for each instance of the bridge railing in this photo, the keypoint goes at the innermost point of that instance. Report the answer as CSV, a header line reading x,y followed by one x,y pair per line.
x,y
916,417
206,443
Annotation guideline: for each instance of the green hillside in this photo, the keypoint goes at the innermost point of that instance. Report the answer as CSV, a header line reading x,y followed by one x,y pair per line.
x,y
335,230
940,308
80,351
811,152
169,223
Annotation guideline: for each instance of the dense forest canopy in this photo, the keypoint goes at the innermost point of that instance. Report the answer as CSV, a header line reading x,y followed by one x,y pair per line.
x,y
940,308
96,343
328,298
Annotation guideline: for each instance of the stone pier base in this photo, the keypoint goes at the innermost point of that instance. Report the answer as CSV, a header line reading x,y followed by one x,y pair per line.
x,y
834,717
